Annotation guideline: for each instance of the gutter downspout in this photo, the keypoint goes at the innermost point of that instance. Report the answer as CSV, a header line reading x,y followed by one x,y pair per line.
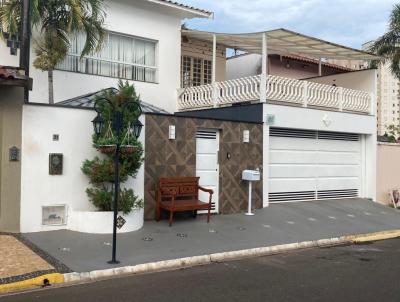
x,y
24,56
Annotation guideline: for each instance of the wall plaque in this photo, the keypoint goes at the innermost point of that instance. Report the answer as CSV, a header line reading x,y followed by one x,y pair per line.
x,y
14,154
55,164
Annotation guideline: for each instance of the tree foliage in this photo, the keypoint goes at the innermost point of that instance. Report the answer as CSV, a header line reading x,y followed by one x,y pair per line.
x,y
388,46
56,22
100,171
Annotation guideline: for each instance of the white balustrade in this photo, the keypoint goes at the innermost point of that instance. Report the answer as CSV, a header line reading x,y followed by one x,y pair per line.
x,y
279,89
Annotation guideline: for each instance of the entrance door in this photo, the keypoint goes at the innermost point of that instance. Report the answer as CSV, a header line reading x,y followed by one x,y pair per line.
x,y
207,146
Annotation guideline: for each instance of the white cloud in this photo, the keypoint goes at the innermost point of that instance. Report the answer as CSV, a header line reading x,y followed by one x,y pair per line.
x,y
347,22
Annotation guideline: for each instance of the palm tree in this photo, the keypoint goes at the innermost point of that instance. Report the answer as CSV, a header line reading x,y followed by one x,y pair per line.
x,y
388,46
57,21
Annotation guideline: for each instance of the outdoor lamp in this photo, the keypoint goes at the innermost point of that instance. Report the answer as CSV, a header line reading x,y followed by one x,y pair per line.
x,y
137,128
98,124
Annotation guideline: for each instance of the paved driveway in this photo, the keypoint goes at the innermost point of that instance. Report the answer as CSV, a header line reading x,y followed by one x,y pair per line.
x,y
278,224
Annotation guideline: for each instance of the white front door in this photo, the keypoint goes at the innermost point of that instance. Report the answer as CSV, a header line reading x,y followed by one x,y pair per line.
x,y
207,146
310,165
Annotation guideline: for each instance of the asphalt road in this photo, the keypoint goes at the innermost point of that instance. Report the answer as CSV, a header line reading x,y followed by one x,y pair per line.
x,y
368,272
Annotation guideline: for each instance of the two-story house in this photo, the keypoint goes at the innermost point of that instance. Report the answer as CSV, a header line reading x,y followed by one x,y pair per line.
x,y
310,139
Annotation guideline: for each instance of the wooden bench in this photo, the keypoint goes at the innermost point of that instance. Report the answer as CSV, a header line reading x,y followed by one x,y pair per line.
x,y
180,194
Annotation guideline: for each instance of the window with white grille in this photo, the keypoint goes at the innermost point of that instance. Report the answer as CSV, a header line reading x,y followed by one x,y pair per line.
x,y
195,71
121,56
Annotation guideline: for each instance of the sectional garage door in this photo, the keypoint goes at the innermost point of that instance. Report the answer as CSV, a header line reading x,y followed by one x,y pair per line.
x,y
310,165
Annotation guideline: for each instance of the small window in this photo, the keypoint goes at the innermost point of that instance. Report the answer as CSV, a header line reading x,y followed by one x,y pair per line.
x,y
195,71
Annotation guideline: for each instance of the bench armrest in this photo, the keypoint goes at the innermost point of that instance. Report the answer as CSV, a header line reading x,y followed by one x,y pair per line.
x,y
206,190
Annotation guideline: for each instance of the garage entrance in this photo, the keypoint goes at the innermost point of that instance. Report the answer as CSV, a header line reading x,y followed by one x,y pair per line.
x,y
311,165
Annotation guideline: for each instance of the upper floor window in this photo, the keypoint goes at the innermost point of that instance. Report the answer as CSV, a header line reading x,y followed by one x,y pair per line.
x,y
195,71
122,56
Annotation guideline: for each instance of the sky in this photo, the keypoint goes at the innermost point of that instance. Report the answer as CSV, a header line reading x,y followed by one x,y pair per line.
x,y
346,22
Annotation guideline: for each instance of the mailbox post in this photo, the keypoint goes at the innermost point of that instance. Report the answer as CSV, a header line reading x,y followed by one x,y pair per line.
x,y
250,176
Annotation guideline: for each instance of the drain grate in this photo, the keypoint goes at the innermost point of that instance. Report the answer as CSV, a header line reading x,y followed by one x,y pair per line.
x,y
147,238
181,235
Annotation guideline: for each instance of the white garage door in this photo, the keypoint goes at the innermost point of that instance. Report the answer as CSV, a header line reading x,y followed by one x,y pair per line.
x,y
309,165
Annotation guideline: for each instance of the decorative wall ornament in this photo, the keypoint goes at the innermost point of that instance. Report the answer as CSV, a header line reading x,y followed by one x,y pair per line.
x,y
326,120
13,154
55,164
270,119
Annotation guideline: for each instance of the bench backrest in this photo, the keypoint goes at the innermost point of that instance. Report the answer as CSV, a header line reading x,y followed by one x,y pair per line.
x,y
181,187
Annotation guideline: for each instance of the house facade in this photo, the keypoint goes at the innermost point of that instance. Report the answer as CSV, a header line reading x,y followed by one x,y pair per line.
x,y
310,139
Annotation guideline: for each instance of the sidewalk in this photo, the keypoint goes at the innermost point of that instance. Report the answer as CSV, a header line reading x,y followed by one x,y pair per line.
x,y
22,262
278,224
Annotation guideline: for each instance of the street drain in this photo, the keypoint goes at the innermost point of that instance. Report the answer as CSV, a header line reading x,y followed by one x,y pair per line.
x,y
147,238
181,235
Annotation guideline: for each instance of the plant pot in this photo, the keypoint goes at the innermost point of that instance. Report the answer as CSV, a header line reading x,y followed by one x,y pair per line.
x,y
128,149
107,149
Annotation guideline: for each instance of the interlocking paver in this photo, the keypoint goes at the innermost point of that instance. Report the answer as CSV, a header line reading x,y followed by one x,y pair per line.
x,y
17,259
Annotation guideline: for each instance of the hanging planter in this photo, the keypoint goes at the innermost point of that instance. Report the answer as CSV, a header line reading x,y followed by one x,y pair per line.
x,y
107,144
107,149
128,149
126,145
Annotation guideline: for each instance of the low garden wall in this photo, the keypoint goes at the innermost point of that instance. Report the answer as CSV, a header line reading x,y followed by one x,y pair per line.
x,y
388,170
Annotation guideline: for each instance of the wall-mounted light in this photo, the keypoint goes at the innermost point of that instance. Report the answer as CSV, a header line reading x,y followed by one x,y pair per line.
x,y
246,136
172,134
13,154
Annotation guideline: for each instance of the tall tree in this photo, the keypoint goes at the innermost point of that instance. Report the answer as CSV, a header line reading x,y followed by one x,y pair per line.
x,y
388,46
56,22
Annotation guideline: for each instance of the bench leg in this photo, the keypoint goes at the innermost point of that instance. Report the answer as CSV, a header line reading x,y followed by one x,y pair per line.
x,y
194,213
208,215
158,213
171,216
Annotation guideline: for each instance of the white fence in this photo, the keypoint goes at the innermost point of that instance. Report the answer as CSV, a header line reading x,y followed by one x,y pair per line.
x,y
279,89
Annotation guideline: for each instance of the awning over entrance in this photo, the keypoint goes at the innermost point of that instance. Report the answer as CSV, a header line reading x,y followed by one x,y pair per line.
x,y
282,41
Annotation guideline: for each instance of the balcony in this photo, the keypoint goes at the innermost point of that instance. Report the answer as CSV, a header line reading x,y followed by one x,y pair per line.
x,y
278,90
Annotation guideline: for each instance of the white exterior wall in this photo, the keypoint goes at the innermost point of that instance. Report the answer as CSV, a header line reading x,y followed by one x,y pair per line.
x,y
136,18
243,66
313,119
38,188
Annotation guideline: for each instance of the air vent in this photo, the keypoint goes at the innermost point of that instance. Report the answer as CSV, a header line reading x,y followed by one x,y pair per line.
x,y
338,136
282,132
206,134
291,196
331,194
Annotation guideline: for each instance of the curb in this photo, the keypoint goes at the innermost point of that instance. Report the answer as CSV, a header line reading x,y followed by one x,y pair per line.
x,y
74,278
32,283
224,256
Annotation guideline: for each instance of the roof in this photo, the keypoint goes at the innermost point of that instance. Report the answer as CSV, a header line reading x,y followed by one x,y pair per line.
x,y
313,61
192,11
87,101
13,76
284,42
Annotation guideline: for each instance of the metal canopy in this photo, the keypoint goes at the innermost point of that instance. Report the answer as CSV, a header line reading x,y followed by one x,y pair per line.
x,y
282,41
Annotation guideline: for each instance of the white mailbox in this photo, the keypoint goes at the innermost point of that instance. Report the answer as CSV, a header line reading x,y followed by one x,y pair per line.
x,y
251,175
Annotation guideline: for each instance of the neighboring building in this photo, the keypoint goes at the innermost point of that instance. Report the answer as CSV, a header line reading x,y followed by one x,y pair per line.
x,y
310,139
290,66
388,97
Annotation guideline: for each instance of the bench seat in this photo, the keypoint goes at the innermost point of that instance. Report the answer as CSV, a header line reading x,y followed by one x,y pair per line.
x,y
180,194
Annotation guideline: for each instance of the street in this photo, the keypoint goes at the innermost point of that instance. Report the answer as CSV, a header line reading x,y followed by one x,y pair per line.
x,y
368,272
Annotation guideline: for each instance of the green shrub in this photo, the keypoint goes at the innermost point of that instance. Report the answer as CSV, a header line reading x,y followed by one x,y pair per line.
x,y
100,171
